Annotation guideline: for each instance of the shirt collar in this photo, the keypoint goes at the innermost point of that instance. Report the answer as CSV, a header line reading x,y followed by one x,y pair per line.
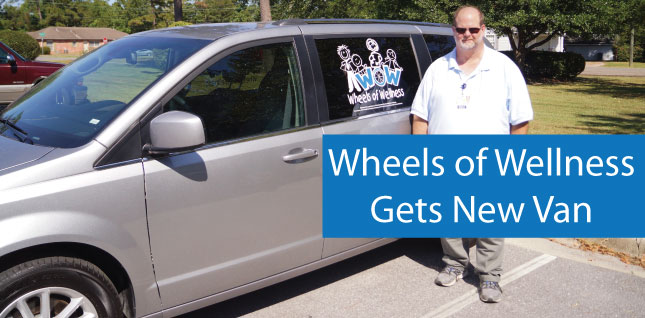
x,y
484,64
452,59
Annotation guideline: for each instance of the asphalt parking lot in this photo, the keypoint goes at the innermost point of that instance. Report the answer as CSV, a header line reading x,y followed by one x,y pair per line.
x,y
542,279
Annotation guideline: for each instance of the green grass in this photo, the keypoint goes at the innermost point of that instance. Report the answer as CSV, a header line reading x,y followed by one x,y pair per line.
x,y
70,56
59,58
589,105
624,64
117,80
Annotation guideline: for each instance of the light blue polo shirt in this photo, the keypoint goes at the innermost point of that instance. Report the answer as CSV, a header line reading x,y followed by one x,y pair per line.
x,y
487,101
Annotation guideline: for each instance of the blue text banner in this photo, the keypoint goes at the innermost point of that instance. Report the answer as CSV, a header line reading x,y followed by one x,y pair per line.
x,y
483,186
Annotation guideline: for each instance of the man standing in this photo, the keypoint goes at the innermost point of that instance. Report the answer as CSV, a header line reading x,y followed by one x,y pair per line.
x,y
472,90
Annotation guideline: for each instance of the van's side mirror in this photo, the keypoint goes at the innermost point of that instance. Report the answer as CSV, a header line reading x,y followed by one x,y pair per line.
x,y
11,60
175,131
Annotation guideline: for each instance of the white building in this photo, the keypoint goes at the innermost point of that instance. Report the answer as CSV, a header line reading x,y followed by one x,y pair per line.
x,y
501,43
592,51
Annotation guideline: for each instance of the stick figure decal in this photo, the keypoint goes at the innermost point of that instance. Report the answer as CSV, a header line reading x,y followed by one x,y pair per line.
x,y
390,60
375,57
350,65
375,84
380,72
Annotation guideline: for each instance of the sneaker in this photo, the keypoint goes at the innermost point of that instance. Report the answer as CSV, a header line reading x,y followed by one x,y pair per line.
x,y
450,275
490,292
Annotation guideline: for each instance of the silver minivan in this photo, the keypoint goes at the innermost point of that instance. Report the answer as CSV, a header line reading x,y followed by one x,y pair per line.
x,y
176,168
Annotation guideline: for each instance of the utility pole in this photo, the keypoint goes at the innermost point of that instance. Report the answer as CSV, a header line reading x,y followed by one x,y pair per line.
x,y
265,10
178,10
631,48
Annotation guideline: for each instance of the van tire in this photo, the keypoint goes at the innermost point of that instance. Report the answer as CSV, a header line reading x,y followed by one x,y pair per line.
x,y
64,278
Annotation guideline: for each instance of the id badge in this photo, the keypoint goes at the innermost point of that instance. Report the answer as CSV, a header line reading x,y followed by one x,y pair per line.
x,y
462,102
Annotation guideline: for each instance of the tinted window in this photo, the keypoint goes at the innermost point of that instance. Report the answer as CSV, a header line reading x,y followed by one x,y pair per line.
x,y
249,92
439,45
367,75
15,54
73,105
3,56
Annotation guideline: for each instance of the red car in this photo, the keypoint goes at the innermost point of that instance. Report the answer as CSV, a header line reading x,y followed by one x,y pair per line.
x,y
18,74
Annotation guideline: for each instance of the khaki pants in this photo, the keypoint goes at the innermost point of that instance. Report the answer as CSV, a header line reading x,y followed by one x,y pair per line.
x,y
488,264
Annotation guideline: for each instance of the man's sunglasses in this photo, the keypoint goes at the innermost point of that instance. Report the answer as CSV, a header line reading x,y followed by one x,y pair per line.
x,y
463,30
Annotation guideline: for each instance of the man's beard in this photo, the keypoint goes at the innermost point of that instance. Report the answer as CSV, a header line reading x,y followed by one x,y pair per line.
x,y
469,45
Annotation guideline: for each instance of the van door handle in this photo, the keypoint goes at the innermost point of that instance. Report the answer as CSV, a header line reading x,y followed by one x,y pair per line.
x,y
298,155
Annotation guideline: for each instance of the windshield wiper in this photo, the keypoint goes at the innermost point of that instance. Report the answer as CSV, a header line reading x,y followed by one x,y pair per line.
x,y
18,129
12,125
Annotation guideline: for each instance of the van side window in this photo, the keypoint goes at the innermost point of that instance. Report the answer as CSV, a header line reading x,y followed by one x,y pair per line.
x,y
367,75
439,45
250,92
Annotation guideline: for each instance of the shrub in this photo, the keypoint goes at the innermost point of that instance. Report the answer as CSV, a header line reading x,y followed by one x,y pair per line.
x,y
621,53
21,42
558,65
554,65
47,50
179,23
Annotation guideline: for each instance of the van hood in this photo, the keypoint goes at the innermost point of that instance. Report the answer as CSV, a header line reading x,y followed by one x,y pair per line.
x,y
14,153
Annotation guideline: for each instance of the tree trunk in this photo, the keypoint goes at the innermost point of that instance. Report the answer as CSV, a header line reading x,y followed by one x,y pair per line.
x,y
265,10
520,59
40,14
178,10
520,51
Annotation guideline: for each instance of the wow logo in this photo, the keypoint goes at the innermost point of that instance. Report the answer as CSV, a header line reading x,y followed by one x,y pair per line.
x,y
378,76
380,72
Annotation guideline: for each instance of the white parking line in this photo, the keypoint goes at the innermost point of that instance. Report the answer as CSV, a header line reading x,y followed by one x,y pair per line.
x,y
470,297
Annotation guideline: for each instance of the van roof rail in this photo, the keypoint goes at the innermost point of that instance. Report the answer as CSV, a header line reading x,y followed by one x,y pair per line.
x,y
365,21
353,21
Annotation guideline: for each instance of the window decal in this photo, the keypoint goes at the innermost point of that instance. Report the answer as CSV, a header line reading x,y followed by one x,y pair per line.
x,y
374,85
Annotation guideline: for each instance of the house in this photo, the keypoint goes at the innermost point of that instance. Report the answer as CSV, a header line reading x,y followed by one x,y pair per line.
x,y
502,43
591,50
75,40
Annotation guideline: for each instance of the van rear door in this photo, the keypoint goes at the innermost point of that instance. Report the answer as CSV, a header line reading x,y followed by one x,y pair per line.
x,y
368,81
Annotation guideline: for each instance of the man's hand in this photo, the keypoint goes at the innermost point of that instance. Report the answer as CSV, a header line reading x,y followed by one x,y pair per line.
x,y
520,129
419,126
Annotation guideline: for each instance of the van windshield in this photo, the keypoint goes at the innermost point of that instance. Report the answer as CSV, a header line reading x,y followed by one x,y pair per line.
x,y
73,105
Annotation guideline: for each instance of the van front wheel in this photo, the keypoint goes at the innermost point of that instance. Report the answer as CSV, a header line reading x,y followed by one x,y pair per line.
x,y
57,287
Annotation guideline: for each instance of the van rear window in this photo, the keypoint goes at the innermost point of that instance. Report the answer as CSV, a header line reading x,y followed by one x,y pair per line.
x,y
367,75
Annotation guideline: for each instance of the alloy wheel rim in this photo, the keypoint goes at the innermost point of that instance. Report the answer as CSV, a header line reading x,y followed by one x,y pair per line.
x,y
61,302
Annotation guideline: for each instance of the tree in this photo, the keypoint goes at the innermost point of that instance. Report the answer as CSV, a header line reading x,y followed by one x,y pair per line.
x,y
524,21
125,15
212,11
100,14
350,9
632,21
141,15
